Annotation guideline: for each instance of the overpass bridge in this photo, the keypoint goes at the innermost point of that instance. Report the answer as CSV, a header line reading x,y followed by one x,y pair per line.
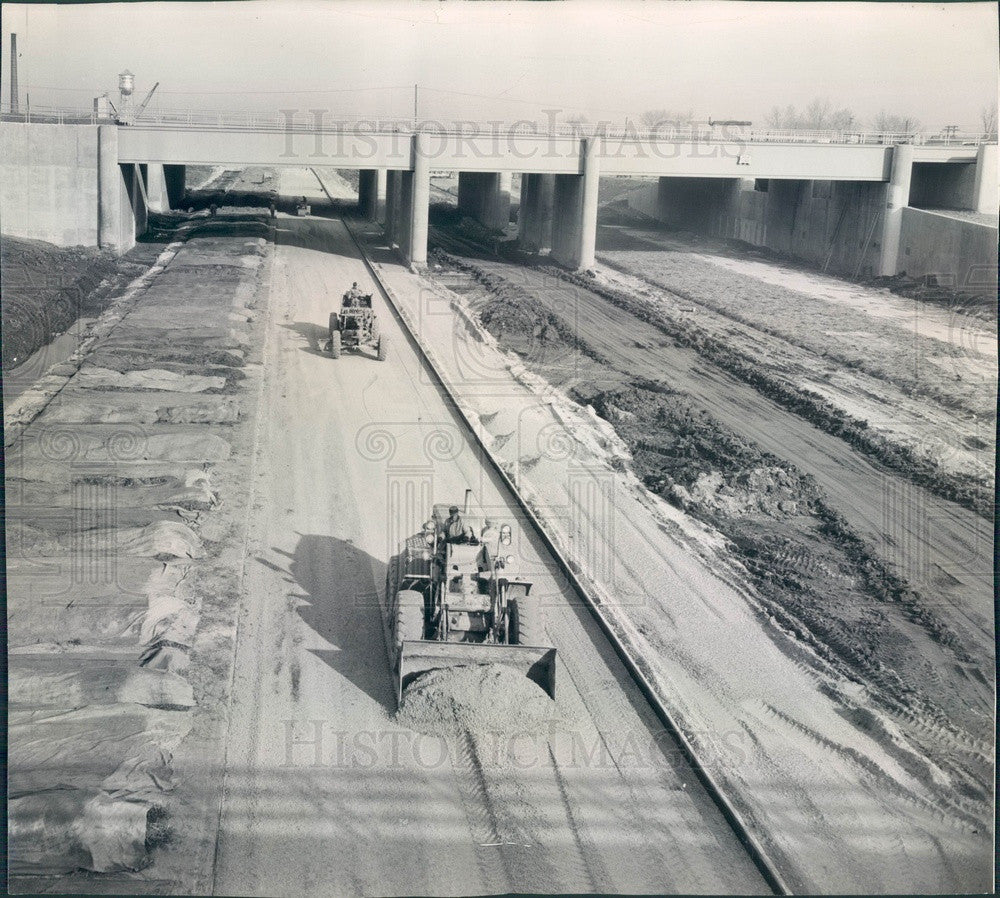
x,y
697,166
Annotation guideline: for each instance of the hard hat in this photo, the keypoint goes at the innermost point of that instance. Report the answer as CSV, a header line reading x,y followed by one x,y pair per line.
x,y
453,509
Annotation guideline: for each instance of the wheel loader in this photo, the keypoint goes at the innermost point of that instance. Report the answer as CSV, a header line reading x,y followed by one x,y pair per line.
x,y
459,602
356,326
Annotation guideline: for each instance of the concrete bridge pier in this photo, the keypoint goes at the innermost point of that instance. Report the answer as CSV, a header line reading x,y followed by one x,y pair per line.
x,y
109,224
417,193
406,206
574,211
165,186
897,197
367,193
985,196
485,196
392,191
381,181
404,216
534,218
122,205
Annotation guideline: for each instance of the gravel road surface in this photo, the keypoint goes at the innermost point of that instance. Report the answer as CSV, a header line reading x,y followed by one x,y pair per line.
x,y
325,793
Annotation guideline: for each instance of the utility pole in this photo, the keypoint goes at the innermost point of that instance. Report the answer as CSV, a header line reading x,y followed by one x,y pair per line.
x,y
13,74
414,106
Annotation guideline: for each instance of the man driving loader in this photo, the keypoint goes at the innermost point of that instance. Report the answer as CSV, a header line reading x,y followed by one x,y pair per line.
x,y
455,529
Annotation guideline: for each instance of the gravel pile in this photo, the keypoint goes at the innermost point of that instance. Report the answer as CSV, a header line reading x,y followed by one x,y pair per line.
x,y
488,698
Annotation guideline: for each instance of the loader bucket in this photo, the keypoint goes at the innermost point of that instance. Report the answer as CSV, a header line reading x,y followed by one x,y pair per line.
x,y
418,657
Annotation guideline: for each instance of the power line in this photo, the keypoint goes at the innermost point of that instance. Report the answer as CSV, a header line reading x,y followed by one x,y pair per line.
x,y
334,90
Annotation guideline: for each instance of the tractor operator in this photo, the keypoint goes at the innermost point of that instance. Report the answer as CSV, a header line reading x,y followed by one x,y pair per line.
x,y
455,530
352,296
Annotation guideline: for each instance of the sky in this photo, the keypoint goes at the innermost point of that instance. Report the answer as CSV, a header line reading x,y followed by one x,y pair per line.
x,y
722,59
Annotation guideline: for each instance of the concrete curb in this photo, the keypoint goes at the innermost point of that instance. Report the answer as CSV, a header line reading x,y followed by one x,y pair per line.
x,y
768,869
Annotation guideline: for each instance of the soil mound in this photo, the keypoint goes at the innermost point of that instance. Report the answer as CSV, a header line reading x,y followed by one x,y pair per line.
x,y
488,698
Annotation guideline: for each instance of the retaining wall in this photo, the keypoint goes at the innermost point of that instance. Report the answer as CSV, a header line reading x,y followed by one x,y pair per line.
x,y
833,224
49,186
959,253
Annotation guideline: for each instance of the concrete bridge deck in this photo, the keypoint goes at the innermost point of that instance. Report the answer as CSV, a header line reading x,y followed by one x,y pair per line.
x,y
514,151
130,168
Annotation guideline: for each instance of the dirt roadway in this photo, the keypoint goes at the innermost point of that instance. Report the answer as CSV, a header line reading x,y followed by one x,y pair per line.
x,y
325,794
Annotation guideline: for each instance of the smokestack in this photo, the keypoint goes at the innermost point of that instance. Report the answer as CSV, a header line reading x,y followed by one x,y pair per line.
x,y
13,73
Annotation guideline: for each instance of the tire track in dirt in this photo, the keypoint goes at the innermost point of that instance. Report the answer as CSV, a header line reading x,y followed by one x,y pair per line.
x,y
942,734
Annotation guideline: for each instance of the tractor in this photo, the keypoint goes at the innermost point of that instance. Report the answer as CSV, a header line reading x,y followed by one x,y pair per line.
x,y
356,326
463,601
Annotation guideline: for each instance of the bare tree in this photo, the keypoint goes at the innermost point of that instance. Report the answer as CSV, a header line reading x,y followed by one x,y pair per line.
x,y
896,124
655,119
783,118
819,115
989,120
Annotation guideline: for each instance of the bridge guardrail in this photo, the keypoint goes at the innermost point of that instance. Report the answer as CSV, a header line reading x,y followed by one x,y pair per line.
x,y
697,132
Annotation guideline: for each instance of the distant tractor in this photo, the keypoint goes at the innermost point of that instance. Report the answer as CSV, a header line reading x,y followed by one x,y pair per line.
x,y
303,208
356,326
463,601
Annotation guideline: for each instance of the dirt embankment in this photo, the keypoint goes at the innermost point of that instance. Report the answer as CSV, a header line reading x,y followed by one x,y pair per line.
x,y
979,302
46,288
807,403
814,577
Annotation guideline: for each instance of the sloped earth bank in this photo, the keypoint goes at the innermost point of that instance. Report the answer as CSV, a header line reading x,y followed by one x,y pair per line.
x,y
915,375
864,725
46,288
126,494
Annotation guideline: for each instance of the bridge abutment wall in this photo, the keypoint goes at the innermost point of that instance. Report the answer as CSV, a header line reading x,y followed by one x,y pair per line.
x,y
833,224
63,184
49,183
958,254
943,185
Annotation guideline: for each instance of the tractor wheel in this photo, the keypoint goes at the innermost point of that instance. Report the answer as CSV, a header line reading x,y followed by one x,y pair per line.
x,y
335,344
409,623
383,347
525,620
334,323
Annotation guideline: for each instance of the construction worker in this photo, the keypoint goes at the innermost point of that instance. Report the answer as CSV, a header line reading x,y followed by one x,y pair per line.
x,y
274,209
455,530
490,537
